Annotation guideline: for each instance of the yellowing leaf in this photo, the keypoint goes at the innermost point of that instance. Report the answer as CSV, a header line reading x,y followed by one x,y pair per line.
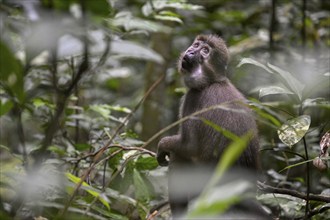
x,y
94,192
294,130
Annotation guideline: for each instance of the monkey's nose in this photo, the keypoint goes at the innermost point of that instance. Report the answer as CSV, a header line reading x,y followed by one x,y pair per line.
x,y
186,62
189,55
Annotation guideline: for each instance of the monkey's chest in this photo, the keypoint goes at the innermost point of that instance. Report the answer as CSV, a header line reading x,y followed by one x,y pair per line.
x,y
200,103
199,108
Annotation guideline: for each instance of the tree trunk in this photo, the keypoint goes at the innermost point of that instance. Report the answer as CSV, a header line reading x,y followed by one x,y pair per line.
x,y
154,104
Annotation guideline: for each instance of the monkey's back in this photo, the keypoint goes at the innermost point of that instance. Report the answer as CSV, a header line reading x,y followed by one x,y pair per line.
x,y
204,143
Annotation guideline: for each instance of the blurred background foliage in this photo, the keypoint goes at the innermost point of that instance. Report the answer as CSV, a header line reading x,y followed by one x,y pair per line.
x,y
76,104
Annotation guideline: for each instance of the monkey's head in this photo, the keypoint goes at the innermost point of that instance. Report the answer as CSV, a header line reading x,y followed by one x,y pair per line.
x,y
204,62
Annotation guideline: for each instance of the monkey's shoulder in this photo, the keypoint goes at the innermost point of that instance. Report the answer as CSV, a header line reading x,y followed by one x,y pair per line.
x,y
215,93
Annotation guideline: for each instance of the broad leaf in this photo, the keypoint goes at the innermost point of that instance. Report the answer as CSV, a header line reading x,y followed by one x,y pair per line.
x,y
134,50
287,78
220,199
5,106
130,23
159,5
254,62
292,207
294,130
273,90
146,163
11,72
141,192
141,189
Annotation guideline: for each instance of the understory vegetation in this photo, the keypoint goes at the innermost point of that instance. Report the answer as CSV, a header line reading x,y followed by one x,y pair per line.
x,y
88,87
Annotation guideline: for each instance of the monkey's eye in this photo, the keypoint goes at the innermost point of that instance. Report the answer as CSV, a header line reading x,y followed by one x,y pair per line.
x,y
195,45
205,50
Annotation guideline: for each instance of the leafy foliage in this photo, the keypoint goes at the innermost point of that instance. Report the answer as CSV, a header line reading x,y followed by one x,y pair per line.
x,y
71,85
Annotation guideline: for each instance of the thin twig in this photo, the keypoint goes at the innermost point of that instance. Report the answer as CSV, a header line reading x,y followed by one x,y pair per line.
x,y
127,118
99,153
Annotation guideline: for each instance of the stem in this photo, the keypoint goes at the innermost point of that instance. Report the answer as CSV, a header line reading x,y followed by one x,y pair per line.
x,y
99,153
307,179
21,137
303,29
272,25
301,112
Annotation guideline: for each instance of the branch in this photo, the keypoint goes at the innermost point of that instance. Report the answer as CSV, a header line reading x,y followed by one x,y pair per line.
x,y
127,118
270,189
106,146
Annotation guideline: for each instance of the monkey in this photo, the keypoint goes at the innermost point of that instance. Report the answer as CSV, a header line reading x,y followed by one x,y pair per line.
x,y
203,67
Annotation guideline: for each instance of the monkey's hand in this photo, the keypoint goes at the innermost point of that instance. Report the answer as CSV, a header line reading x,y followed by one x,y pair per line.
x,y
163,158
165,146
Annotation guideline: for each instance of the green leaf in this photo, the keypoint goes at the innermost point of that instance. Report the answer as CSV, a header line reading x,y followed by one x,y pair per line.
x,y
219,129
265,113
40,102
146,163
109,214
128,49
290,81
316,102
273,90
119,108
82,147
94,192
292,207
181,90
142,193
294,130
229,156
159,5
168,18
141,190
130,23
254,62
5,106
220,198
56,149
103,110
213,209
285,77
296,164
11,73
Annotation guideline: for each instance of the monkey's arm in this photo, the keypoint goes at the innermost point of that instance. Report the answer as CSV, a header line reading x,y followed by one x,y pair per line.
x,y
165,146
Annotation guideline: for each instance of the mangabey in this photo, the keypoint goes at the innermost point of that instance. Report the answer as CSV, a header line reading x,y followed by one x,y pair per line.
x,y
203,66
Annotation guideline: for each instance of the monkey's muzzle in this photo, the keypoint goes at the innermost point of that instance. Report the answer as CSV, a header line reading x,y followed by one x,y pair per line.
x,y
189,61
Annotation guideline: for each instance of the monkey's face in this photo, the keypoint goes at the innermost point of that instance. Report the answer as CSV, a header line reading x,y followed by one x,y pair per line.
x,y
204,62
